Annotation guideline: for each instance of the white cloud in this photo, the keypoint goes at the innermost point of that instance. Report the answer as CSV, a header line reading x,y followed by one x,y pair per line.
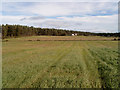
x,y
13,20
67,15
58,9
96,23
89,23
61,0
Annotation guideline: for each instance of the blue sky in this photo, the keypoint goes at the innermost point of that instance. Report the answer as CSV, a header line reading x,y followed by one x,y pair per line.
x,y
79,16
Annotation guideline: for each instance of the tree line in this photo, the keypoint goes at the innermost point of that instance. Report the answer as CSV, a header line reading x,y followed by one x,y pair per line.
x,y
19,30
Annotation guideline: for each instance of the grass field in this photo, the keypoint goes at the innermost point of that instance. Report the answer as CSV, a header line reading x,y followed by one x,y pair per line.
x,y
60,64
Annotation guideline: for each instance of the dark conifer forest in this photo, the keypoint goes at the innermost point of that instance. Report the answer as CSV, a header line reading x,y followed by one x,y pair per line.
x,y
19,31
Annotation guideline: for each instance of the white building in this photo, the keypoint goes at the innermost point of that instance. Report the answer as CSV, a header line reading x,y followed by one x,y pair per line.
x,y
74,34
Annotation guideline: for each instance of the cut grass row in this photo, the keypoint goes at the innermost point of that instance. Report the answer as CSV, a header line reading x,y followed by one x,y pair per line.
x,y
59,64
64,38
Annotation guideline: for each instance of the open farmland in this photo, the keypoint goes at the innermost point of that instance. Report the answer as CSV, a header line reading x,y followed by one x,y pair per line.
x,y
69,38
44,62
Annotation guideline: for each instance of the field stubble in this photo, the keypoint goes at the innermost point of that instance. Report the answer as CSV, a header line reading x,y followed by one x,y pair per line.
x,y
61,64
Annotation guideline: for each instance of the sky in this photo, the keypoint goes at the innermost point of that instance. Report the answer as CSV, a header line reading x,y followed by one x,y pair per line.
x,y
78,16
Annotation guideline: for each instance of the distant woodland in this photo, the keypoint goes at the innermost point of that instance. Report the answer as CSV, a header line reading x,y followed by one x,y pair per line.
x,y
19,30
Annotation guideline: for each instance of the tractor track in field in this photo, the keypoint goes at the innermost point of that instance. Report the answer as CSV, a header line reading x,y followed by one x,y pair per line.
x,y
105,65
58,58
61,54
103,68
87,67
99,58
64,64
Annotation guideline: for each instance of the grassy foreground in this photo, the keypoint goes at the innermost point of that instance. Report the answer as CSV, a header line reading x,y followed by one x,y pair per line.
x,y
59,64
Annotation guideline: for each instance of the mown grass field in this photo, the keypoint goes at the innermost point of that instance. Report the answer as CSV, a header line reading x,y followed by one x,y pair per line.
x,y
60,64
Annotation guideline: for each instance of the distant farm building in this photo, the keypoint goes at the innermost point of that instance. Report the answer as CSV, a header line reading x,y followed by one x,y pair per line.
x,y
74,34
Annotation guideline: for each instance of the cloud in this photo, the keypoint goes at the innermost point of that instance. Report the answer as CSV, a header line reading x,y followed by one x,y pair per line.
x,y
61,0
59,8
14,20
59,24
80,16
87,23
33,18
